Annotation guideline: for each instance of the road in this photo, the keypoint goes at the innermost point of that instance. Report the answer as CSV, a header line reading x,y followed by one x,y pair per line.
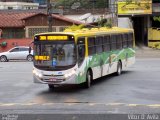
x,y
135,91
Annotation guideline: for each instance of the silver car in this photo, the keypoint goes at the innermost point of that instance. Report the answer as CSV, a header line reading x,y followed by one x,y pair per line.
x,y
17,53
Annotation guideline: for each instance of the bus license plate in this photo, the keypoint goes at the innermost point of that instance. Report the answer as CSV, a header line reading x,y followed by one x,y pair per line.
x,y
53,79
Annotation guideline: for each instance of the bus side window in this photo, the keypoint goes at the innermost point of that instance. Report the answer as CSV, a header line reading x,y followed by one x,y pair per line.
x,y
125,39
106,43
130,40
113,42
98,44
91,46
81,50
119,41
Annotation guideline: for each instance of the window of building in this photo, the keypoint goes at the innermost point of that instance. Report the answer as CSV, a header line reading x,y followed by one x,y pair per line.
x,y
33,31
10,8
13,33
61,29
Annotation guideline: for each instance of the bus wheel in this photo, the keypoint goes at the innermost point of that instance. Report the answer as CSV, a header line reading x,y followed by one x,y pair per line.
x,y
51,87
88,79
119,68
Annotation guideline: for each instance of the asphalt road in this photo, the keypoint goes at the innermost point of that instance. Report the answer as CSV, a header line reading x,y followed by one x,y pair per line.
x,y
135,91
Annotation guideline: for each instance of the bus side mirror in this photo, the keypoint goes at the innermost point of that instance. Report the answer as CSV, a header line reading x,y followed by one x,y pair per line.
x,y
30,50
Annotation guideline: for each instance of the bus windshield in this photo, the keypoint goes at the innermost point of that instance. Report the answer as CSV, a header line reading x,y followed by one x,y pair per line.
x,y
55,55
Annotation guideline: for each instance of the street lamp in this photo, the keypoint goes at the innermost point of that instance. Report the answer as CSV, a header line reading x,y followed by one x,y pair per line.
x,y
49,14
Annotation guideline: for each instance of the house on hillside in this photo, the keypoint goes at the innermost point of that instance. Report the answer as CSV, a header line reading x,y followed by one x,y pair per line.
x,y
25,25
18,26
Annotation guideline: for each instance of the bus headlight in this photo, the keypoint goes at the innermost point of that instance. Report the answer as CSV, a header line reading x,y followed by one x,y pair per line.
x,y
70,74
38,74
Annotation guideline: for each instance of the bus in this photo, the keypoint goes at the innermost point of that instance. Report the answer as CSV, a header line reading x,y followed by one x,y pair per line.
x,y
81,56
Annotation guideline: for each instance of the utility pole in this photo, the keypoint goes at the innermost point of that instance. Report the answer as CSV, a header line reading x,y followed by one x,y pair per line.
x,y
49,14
113,9
93,5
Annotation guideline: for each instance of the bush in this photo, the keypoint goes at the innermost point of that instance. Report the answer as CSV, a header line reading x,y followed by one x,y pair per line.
x,y
3,44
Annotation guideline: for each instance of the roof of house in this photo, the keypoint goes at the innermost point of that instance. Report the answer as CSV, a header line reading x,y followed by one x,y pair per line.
x,y
15,19
57,16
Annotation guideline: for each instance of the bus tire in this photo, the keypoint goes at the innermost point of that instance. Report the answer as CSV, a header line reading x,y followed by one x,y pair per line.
x,y
88,79
51,87
119,68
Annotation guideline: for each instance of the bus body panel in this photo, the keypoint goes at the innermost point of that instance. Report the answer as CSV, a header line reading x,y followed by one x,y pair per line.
x,y
110,61
101,64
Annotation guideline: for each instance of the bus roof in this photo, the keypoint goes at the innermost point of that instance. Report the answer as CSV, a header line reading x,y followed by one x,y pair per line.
x,y
92,31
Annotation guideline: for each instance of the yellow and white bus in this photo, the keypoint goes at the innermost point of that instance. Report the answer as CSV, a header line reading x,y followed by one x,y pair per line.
x,y
75,57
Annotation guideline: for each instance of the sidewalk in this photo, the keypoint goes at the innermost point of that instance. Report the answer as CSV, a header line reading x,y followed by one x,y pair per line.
x,y
146,52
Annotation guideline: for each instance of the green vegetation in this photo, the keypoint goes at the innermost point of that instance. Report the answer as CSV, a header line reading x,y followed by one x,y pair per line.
x,y
83,3
105,23
3,44
128,2
101,23
75,27
156,19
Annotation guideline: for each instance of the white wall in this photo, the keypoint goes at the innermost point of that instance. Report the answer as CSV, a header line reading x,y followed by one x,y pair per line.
x,y
92,18
18,5
125,22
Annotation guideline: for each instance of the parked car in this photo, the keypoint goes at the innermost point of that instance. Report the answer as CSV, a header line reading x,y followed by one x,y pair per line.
x,y
17,53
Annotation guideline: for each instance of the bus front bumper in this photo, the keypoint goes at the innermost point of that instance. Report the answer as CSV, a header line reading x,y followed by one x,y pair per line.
x,y
55,81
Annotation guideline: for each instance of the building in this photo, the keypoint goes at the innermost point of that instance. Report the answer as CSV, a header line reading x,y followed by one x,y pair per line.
x,y
18,5
19,27
41,2
16,0
142,14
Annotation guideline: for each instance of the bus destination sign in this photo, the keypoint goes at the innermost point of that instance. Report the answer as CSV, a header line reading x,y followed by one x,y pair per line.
x,y
51,37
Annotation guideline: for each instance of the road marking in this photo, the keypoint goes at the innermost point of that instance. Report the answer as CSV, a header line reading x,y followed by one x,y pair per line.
x,y
154,106
132,105
7,104
48,104
90,104
115,104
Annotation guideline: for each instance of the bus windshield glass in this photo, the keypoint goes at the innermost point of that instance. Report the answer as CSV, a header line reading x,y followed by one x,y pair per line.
x,y
54,55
